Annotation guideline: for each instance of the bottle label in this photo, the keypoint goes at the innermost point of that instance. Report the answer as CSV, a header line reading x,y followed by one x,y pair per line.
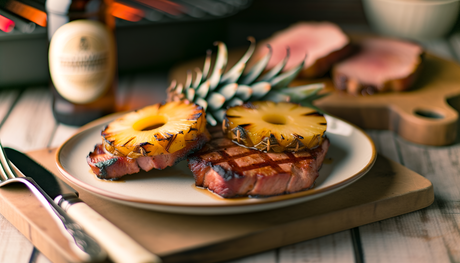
x,y
82,60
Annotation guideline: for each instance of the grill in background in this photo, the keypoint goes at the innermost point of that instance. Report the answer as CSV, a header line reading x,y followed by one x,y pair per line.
x,y
159,34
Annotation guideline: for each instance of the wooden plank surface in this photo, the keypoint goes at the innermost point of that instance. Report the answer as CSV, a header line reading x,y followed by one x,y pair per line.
x,y
429,235
13,245
388,190
330,248
437,238
30,124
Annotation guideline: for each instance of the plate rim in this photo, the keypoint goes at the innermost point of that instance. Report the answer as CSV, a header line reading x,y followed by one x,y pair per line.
x,y
254,201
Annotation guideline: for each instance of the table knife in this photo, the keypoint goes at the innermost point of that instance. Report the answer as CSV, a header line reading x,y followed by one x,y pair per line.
x,y
119,246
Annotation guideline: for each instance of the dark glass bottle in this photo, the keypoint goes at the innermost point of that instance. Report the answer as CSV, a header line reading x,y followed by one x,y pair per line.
x,y
82,59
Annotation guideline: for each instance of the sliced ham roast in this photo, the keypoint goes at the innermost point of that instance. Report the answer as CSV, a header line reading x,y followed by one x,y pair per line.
x,y
107,166
381,65
323,44
230,170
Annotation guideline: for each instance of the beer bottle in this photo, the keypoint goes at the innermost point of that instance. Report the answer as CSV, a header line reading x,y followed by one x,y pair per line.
x,y
82,59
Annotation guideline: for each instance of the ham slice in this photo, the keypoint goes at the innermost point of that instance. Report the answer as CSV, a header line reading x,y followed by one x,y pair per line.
x,y
107,166
323,44
381,65
230,170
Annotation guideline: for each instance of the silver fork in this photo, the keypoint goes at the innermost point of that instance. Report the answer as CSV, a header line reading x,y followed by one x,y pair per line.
x,y
83,245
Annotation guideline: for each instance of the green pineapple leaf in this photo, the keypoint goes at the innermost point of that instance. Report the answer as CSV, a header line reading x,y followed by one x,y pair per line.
x,y
216,91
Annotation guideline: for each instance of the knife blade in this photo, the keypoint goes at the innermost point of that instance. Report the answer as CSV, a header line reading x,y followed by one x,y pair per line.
x,y
119,246
82,244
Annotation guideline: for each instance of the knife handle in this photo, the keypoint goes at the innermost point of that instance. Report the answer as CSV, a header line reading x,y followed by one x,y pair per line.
x,y
81,243
119,246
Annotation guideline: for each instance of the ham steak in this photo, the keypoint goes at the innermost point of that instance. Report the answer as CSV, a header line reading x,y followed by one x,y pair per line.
x,y
323,44
110,167
381,65
225,168
230,170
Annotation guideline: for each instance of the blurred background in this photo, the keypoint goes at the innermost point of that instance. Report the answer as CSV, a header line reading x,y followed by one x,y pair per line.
x,y
159,33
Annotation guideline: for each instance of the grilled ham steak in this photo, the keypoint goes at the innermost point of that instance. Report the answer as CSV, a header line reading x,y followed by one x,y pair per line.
x,y
110,167
230,170
380,65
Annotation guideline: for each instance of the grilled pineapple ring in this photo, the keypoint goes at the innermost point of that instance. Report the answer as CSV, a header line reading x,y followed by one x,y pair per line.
x,y
154,130
274,127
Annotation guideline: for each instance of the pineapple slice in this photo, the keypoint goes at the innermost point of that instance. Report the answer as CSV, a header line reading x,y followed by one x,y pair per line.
x,y
154,130
274,127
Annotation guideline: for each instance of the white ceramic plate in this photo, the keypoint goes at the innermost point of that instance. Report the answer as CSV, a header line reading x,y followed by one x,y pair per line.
x,y
350,156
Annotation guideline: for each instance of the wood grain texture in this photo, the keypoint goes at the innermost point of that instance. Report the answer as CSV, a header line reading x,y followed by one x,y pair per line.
x,y
13,245
428,235
330,248
21,208
441,165
61,134
387,190
119,246
30,124
7,99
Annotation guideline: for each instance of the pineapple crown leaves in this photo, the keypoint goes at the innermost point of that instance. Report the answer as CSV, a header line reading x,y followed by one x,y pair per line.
x,y
216,91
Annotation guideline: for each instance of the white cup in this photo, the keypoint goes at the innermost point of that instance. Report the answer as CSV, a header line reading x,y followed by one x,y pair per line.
x,y
412,19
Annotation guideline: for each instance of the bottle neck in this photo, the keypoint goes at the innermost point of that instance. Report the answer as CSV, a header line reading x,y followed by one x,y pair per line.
x,y
60,12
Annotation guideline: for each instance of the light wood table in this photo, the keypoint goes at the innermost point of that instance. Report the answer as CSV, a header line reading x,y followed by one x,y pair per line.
x,y
428,235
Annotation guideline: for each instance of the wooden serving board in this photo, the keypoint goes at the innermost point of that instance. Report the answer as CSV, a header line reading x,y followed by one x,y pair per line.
x,y
427,114
389,189
421,115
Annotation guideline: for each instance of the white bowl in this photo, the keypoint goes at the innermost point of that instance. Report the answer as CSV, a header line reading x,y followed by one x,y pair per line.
x,y
412,19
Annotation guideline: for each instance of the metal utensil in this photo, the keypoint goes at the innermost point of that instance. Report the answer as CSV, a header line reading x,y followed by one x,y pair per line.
x,y
119,246
84,246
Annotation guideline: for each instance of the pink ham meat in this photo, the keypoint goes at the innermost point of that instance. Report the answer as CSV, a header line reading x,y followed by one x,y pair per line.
x,y
230,170
381,65
107,166
322,43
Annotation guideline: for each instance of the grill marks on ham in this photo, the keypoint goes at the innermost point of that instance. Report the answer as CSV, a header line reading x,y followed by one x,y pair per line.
x,y
107,166
223,167
230,170
381,65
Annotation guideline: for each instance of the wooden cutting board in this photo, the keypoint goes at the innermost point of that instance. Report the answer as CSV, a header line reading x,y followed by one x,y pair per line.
x,y
427,114
388,190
